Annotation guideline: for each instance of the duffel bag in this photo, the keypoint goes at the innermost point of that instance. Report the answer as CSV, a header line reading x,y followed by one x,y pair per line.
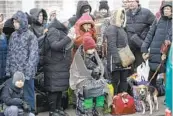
x,y
123,104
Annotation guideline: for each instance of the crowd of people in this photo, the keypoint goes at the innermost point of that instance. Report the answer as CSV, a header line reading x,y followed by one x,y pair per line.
x,y
37,42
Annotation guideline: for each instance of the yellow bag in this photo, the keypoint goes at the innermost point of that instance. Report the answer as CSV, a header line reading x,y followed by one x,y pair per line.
x,y
111,89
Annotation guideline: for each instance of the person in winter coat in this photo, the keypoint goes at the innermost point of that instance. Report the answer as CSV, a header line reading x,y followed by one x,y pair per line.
x,y
22,55
39,20
89,47
160,31
3,53
104,11
12,96
117,39
139,21
85,25
57,62
82,7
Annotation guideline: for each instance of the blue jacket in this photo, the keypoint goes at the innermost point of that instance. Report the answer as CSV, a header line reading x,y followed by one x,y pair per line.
x,y
3,55
23,49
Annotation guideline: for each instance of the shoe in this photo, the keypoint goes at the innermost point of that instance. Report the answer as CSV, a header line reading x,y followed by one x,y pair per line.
x,y
54,114
61,112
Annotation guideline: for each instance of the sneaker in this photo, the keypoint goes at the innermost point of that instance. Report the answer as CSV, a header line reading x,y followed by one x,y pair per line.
x,y
168,112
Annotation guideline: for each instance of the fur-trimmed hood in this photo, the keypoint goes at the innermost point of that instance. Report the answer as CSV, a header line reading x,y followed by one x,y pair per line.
x,y
116,18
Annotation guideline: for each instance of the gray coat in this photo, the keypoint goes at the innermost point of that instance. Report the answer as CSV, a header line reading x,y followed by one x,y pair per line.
x,y
116,38
138,24
57,60
159,32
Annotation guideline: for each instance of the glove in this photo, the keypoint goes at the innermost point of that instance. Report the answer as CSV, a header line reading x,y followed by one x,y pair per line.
x,y
26,107
96,73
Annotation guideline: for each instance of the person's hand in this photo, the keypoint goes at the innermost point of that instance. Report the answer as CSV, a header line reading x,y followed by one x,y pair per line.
x,y
72,34
45,31
145,56
26,107
163,57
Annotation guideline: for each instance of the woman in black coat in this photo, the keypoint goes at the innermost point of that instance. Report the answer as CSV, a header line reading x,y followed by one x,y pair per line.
x,y
117,38
160,31
57,60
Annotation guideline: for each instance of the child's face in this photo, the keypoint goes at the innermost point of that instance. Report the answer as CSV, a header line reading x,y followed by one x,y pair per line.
x,y
90,51
19,84
86,27
16,24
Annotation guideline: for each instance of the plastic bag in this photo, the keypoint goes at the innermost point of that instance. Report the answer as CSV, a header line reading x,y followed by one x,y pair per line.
x,y
143,73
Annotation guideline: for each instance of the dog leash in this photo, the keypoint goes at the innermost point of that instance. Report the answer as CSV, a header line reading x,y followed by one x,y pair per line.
x,y
158,68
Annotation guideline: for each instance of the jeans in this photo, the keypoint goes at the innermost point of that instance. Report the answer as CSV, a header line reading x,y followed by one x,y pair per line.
x,y
29,94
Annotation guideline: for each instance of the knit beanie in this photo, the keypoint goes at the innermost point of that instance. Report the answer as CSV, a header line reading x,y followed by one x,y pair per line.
x,y
88,43
104,5
18,76
8,28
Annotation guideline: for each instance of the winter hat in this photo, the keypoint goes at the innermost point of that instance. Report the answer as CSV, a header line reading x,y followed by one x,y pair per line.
x,y
18,76
84,8
8,28
104,5
88,42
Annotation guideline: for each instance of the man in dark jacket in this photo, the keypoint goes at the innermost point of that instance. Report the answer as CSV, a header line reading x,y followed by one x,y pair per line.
x,y
39,20
82,7
22,55
160,31
57,61
139,21
12,96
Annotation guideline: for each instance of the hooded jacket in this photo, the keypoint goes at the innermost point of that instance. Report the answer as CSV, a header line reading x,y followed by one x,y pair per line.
x,y
11,95
80,5
160,31
116,38
22,50
80,33
36,27
57,60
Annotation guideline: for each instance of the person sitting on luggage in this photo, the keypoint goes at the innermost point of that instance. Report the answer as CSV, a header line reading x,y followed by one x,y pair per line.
x,y
89,47
13,97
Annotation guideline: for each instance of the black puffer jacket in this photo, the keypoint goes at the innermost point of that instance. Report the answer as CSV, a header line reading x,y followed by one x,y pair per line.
x,y
80,5
11,95
56,60
138,25
159,32
116,38
36,27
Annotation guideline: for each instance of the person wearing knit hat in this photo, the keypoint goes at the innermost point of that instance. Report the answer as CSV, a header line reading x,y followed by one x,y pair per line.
x,y
104,5
89,46
12,96
18,79
88,43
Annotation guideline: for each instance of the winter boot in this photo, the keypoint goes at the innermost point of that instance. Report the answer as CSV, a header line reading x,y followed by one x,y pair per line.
x,y
61,112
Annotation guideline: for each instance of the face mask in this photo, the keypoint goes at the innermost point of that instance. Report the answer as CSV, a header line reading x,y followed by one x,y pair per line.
x,y
19,84
90,51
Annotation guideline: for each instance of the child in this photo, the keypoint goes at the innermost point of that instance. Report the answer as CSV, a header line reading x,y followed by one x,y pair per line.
x,y
12,96
91,63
